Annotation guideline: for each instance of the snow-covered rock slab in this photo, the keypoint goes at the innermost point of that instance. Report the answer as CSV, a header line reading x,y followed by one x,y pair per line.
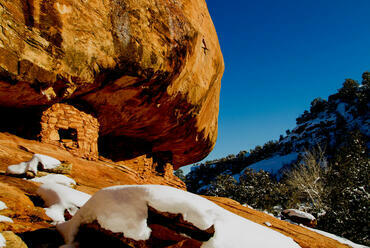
x,y
124,209
59,198
32,165
55,178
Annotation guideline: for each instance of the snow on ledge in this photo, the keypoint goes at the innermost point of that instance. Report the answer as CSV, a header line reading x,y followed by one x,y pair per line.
x,y
2,241
5,219
124,209
3,205
55,178
59,198
45,161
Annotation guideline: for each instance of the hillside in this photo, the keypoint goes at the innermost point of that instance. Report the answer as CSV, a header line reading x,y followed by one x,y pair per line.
x,y
322,166
326,124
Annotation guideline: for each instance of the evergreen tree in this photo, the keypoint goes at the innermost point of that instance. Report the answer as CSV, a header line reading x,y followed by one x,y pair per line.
x,y
180,174
223,186
349,196
348,92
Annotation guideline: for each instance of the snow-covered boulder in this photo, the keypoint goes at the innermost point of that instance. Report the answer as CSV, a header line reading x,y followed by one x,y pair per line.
x,y
125,211
299,217
38,161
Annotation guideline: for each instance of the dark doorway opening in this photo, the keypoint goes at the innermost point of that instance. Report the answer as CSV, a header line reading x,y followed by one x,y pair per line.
x,y
68,137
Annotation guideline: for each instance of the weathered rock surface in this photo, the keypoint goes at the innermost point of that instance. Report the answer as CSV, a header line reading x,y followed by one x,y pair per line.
x,y
89,175
12,240
17,194
150,70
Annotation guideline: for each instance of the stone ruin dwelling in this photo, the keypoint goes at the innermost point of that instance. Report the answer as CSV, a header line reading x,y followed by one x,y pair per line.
x,y
71,129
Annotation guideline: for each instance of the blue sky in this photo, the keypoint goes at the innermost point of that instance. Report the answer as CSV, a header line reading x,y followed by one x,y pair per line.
x,y
279,56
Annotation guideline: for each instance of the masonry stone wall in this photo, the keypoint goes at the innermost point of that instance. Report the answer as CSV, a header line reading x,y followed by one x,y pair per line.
x,y
71,129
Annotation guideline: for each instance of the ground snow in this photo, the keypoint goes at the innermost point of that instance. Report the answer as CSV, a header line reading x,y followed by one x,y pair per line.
x,y
32,165
124,209
55,178
5,219
59,198
337,238
3,205
2,241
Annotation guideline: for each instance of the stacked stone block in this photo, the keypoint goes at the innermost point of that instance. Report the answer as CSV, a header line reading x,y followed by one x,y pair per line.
x,y
64,116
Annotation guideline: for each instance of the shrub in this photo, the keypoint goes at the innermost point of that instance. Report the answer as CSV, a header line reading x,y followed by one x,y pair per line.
x,y
306,180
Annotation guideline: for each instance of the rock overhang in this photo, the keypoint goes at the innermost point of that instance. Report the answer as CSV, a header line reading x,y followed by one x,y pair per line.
x,y
151,71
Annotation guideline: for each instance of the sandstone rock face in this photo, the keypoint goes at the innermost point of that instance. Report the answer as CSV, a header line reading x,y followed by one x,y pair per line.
x,y
12,240
150,70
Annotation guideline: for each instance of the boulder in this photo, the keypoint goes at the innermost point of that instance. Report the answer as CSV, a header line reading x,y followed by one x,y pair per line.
x,y
299,217
12,240
149,70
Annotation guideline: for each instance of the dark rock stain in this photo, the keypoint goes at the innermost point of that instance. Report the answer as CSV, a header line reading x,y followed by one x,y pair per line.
x,y
28,12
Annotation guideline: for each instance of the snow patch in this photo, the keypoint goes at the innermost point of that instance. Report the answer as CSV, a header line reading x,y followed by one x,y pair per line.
x,y
3,205
299,213
59,198
271,165
267,223
337,238
124,209
55,178
5,219
2,241
38,159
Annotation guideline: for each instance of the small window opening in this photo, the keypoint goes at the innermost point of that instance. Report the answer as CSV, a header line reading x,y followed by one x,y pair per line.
x,y
68,137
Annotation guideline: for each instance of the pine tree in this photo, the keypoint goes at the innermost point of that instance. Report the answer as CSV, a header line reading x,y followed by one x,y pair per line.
x,y
180,174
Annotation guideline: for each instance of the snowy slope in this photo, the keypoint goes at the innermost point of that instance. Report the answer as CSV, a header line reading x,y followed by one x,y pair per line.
x,y
337,238
272,165
124,209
